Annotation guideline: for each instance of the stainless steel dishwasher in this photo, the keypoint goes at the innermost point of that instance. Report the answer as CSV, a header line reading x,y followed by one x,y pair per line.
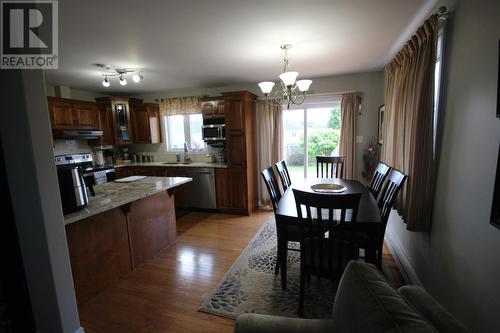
x,y
201,191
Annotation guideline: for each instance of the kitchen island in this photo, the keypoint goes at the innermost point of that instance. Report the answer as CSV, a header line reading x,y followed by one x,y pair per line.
x,y
123,225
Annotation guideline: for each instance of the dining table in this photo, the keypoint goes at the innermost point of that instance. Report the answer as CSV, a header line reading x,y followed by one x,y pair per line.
x,y
368,221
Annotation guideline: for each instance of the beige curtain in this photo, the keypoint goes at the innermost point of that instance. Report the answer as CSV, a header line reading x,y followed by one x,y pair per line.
x,y
347,146
270,143
179,105
408,124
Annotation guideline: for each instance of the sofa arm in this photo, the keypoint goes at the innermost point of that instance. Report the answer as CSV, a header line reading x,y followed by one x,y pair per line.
x,y
253,323
434,312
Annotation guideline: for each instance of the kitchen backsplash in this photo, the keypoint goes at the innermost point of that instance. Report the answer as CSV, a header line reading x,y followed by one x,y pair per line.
x,y
62,147
159,152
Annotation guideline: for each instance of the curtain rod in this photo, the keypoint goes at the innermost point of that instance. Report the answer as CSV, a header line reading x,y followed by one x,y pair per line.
x,y
442,13
320,95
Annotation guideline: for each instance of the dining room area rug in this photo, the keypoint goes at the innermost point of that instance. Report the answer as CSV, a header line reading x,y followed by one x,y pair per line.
x,y
250,285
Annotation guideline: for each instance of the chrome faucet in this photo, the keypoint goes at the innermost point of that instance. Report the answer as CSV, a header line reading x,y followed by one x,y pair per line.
x,y
186,158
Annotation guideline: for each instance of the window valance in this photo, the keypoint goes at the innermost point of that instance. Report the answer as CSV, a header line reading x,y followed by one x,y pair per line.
x,y
179,105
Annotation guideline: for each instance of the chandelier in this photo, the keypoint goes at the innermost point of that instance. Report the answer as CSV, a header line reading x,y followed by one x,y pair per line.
x,y
291,91
120,72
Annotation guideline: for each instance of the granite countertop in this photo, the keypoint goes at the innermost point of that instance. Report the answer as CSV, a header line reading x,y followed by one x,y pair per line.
x,y
112,194
175,165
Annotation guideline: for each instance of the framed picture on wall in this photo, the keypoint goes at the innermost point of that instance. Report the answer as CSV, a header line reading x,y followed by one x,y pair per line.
x,y
381,111
495,206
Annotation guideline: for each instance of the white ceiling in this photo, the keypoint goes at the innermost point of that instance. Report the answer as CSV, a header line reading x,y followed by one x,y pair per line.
x,y
190,43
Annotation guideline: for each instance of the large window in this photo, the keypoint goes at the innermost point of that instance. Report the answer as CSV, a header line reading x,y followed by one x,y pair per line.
x,y
180,129
310,132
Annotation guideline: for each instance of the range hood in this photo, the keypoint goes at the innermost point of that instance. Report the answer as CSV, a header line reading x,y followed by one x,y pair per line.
x,y
77,134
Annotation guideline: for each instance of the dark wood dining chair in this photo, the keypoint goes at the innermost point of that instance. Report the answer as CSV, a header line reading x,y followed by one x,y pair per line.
x,y
284,175
292,235
329,166
320,218
272,186
395,182
380,174
393,185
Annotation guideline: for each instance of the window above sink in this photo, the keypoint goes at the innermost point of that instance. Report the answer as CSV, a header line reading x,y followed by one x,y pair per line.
x,y
178,129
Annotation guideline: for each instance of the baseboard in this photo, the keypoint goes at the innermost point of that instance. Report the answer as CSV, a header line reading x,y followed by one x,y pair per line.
x,y
402,260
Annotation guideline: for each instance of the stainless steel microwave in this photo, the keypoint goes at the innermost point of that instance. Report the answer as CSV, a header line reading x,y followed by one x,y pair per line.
x,y
214,132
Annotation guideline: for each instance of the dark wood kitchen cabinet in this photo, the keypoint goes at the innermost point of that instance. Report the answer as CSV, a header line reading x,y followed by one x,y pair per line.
x,y
105,247
145,121
222,189
153,111
118,118
123,171
85,114
105,120
181,193
241,183
61,113
150,171
72,114
212,107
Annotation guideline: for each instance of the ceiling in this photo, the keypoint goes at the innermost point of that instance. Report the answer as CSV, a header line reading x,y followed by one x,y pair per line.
x,y
189,43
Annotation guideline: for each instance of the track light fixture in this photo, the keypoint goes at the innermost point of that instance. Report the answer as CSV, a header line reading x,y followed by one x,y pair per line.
x,y
123,82
105,82
120,72
137,77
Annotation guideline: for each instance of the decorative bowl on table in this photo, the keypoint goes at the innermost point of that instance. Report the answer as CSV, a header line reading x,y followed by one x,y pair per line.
x,y
328,188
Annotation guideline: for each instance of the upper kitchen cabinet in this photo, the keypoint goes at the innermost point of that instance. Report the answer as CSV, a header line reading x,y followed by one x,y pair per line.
x,y
145,121
212,107
120,117
106,125
153,111
72,114
85,115
240,128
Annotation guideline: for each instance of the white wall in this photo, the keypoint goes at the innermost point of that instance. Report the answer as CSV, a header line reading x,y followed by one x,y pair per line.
x,y
457,262
32,179
369,84
74,93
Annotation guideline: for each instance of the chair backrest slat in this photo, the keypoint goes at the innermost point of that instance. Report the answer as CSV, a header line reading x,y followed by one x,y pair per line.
x,y
379,176
284,175
329,166
272,186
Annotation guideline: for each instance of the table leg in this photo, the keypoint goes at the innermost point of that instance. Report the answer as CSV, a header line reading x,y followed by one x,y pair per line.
x,y
284,257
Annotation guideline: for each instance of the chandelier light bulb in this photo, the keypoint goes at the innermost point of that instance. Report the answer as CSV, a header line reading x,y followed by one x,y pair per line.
x,y
289,78
137,77
303,85
105,82
266,87
123,82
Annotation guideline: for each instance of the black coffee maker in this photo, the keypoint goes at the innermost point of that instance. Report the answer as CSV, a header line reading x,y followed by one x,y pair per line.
x,y
72,187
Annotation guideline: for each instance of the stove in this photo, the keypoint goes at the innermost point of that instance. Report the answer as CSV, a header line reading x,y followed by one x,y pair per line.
x,y
93,175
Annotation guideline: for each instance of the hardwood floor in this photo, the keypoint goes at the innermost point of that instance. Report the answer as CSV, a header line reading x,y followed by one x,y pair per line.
x,y
163,295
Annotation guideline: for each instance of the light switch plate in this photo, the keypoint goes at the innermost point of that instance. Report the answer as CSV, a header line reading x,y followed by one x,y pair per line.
x,y
359,139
